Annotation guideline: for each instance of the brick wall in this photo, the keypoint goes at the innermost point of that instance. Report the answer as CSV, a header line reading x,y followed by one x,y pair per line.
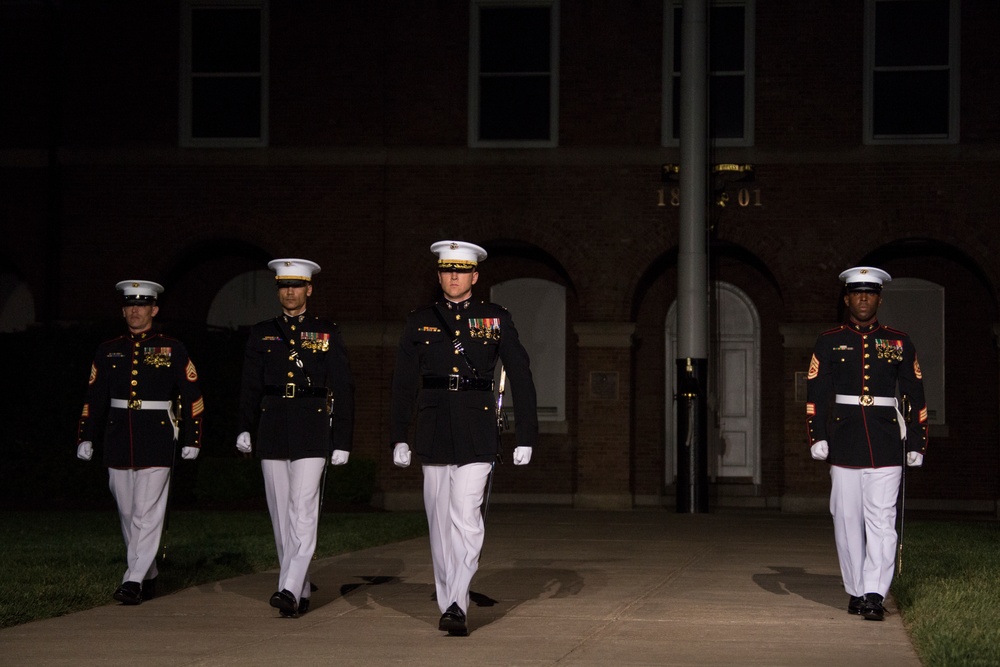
x,y
368,166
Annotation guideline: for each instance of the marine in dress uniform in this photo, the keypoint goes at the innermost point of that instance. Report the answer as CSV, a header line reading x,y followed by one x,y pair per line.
x,y
444,372
856,424
130,400
299,393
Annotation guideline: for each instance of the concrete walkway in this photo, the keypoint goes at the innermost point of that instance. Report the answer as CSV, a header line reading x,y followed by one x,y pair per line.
x,y
556,586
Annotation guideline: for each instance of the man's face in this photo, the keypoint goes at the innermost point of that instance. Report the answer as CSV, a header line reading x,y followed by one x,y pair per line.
x,y
139,318
457,285
293,299
863,306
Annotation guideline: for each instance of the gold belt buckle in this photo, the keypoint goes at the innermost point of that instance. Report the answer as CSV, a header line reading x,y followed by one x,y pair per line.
x,y
289,390
134,404
866,400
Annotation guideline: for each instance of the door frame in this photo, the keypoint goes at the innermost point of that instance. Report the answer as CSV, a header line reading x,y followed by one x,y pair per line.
x,y
670,335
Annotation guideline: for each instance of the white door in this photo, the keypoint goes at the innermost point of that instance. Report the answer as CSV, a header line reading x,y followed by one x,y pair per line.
x,y
736,418
734,389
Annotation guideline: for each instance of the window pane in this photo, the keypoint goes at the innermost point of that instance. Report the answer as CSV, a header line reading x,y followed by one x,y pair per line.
x,y
225,40
726,39
913,32
910,103
675,93
514,107
727,64
725,117
225,107
514,39
678,16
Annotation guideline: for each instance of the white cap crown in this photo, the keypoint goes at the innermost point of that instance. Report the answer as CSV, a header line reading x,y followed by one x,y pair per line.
x,y
458,255
290,271
864,279
139,292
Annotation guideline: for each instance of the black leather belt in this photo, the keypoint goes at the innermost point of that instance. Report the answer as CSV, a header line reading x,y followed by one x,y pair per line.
x,y
456,383
292,390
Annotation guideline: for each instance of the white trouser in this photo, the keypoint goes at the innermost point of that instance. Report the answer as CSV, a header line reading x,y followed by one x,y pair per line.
x,y
292,489
453,497
141,495
863,505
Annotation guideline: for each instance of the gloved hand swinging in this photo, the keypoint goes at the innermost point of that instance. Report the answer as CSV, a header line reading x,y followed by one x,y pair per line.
x,y
401,454
85,450
820,450
522,455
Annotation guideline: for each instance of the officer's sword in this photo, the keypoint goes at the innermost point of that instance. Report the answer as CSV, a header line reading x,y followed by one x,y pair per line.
x,y
176,419
902,490
326,467
501,423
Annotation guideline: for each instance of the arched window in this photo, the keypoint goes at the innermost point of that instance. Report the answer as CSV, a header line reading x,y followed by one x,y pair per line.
x,y
917,307
245,300
17,308
539,311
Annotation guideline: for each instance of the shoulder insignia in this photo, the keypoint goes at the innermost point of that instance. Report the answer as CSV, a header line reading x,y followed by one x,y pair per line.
x,y
190,373
93,374
813,368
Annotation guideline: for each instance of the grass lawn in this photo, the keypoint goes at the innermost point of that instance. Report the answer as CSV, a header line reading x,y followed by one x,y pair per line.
x,y
949,592
57,562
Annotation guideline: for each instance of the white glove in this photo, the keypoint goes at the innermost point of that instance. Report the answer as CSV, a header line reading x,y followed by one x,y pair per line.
x,y
401,454
339,457
820,450
190,453
914,459
85,450
522,455
243,442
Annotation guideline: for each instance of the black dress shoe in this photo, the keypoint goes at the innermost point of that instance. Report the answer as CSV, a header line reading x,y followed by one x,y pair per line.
x,y
285,603
303,605
453,621
873,609
148,588
856,605
129,593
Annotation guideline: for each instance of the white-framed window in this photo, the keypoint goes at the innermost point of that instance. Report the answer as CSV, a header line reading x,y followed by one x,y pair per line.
x,y
514,73
538,308
224,73
911,80
731,38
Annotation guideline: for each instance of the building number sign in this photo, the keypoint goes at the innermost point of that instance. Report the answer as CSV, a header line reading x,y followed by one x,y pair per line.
x,y
726,177
745,197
